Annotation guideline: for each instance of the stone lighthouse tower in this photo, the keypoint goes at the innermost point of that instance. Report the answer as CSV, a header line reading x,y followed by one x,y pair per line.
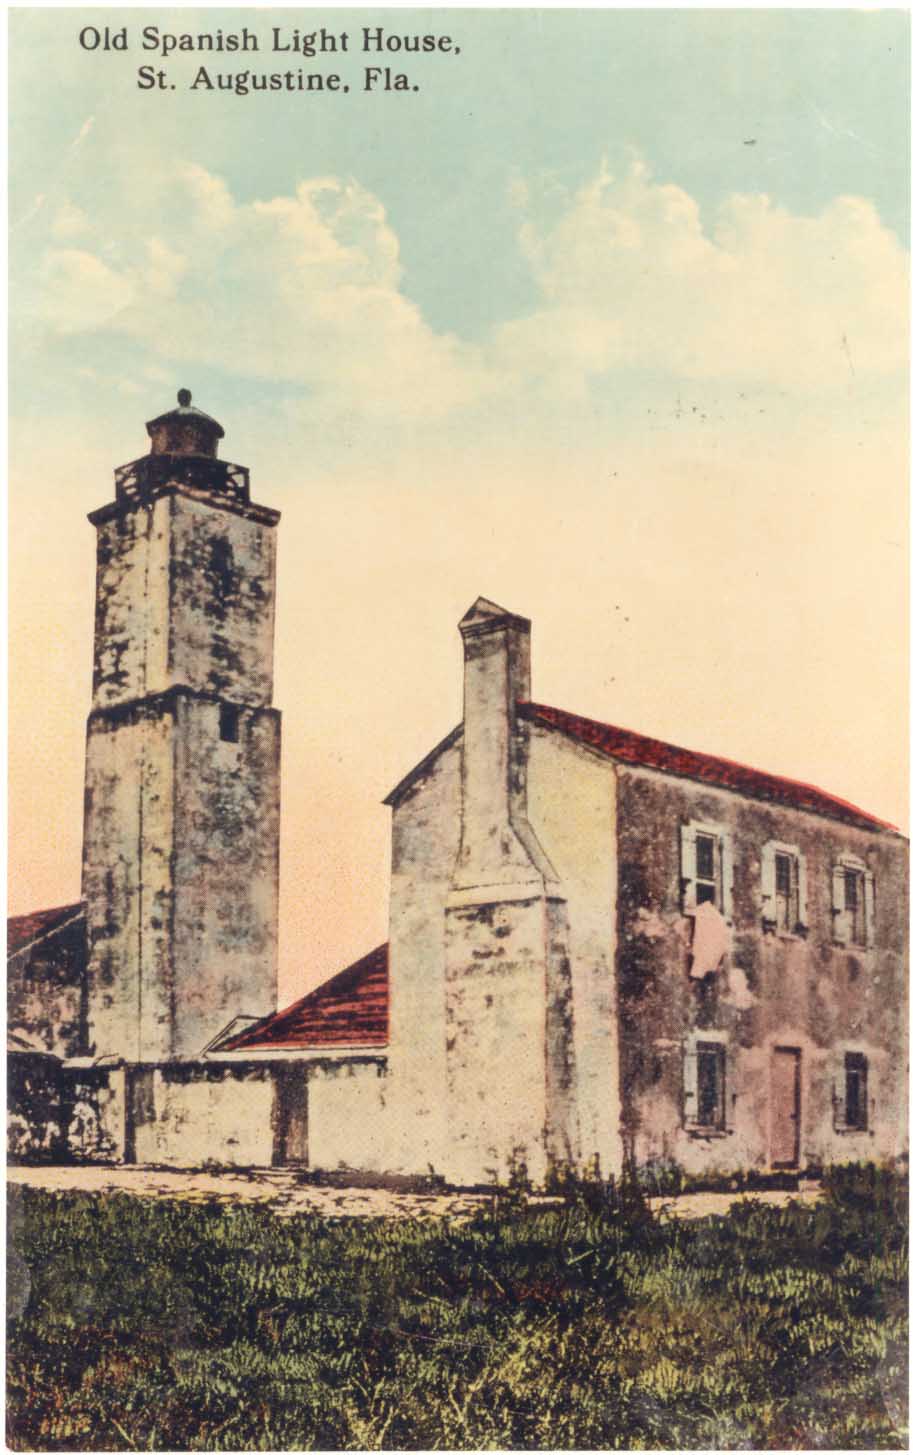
x,y
181,845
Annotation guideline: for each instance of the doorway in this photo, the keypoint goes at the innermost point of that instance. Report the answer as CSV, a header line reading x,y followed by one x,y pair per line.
x,y
290,1142
785,1106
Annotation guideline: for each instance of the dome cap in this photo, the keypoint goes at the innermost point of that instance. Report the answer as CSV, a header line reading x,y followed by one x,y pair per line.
x,y
185,430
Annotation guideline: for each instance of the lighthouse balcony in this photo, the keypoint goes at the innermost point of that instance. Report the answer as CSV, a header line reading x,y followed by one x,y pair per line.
x,y
145,476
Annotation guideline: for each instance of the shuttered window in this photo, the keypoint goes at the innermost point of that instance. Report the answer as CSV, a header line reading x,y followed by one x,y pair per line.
x,y
784,889
706,861
853,903
851,1094
705,1085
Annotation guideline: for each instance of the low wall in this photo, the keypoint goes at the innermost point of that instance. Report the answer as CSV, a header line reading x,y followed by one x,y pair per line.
x,y
189,1115
349,1123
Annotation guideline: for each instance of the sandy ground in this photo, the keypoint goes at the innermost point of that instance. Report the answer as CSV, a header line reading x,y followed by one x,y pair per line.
x,y
286,1195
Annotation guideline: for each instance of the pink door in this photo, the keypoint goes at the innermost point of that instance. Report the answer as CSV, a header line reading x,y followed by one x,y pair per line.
x,y
785,1084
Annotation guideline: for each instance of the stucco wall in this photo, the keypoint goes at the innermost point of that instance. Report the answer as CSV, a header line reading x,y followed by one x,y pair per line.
x,y
180,859
348,1116
496,1041
186,1116
222,602
225,871
127,845
184,596
799,991
572,809
426,836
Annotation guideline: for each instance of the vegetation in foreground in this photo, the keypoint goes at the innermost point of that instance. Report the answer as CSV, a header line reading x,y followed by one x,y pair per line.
x,y
157,1325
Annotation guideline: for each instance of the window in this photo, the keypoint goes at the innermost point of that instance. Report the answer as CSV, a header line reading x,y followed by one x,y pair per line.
x,y
853,903
706,868
705,1084
851,1098
783,889
706,877
711,1084
228,722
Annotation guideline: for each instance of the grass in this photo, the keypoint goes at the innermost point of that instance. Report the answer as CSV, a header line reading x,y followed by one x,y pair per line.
x,y
158,1325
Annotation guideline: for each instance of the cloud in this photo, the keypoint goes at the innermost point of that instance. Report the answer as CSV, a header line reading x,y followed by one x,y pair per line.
x,y
631,278
302,288
306,289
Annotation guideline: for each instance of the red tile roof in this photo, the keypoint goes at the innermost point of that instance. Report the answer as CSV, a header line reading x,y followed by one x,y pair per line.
x,y
23,929
630,747
348,1010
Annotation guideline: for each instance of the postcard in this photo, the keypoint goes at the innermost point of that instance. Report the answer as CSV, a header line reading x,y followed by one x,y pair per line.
x,y
457,989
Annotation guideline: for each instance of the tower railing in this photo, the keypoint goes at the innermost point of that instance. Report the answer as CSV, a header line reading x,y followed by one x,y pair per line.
x,y
136,481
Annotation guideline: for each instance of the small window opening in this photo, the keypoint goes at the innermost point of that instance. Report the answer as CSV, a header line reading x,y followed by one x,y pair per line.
x,y
856,1072
705,872
711,1084
229,716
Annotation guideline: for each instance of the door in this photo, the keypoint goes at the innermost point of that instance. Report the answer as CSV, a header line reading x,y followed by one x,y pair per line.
x,y
290,1147
785,1097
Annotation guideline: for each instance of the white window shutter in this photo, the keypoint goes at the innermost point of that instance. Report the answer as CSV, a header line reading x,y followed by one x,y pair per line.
x,y
689,870
803,891
869,908
769,884
727,866
838,906
689,1071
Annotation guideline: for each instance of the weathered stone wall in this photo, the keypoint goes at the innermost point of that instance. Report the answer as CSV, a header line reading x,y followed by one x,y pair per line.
x,y
426,836
496,1041
128,842
799,990
224,867
35,1113
46,991
186,1116
572,809
132,596
222,602
180,859
185,596
61,1114
349,1116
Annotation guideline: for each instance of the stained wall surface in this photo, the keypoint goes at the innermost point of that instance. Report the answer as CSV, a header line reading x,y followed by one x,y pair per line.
x,y
46,991
799,994
185,596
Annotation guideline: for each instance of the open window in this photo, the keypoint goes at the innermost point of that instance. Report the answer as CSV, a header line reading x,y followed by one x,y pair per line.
x,y
853,903
784,889
706,862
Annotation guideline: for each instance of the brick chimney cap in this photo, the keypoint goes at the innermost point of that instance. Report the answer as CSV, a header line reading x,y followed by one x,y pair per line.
x,y
485,616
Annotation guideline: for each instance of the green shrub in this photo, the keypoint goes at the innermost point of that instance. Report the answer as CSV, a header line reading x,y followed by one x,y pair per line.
x,y
162,1325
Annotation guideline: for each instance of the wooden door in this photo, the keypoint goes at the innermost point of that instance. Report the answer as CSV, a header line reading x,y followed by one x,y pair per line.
x,y
785,1106
290,1147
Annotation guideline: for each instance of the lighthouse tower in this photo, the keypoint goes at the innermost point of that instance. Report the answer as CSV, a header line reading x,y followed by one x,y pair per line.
x,y
181,844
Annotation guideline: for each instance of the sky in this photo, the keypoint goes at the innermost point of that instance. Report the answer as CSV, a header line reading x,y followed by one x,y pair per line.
x,y
606,321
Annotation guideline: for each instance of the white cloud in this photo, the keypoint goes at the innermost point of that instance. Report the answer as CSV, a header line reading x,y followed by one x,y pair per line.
x,y
307,289
631,278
